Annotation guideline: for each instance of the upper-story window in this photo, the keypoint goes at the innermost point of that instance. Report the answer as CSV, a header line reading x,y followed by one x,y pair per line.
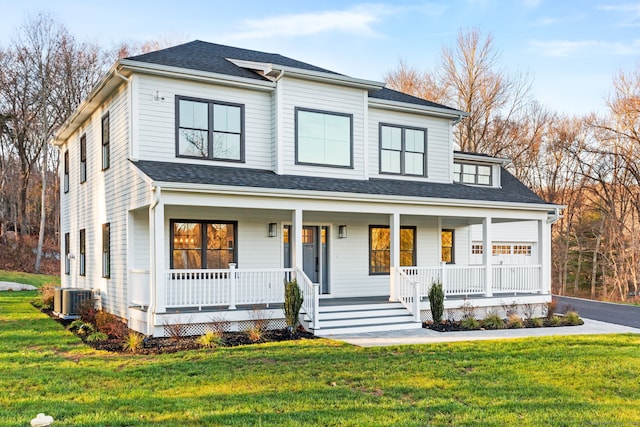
x,y
83,159
324,138
106,142
469,173
403,150
209,129
66,171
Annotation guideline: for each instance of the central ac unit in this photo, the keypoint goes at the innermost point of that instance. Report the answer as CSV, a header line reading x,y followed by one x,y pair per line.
x,y
67,303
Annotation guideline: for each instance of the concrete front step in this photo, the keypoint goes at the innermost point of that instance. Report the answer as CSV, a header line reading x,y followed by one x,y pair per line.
x,y
357,314
328,332
364,321
360,307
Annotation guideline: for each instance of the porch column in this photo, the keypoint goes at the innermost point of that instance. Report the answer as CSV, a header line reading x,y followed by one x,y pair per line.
x,y
544,256
296,239
158,254
487,246
394,246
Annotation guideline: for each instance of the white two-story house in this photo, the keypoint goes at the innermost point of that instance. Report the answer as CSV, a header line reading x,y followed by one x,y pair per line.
x,y
196,179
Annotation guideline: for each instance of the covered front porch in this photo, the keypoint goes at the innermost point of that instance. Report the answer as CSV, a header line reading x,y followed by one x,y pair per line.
x,y
344,251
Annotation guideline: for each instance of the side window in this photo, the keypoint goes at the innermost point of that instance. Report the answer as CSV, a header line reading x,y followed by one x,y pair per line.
x,y
106,250
83,159
83,251
106,142
67,247
66,171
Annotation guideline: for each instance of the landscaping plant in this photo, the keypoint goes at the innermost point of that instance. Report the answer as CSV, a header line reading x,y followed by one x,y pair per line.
x,y
292,303
436,301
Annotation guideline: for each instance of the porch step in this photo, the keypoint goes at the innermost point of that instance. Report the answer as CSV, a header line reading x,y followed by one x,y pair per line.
x,y
358,318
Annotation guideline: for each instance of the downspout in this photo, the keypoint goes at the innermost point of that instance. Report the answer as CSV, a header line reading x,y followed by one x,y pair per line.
x,y
555,217
153,279
458,120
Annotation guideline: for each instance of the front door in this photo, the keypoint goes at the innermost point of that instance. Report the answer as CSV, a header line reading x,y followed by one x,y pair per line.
x,y
310,258
315,256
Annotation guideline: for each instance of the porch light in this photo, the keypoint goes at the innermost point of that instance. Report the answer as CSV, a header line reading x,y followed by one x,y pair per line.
x,y
342,231
273,229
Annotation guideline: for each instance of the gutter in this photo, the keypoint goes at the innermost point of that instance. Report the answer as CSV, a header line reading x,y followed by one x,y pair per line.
x,y
555,216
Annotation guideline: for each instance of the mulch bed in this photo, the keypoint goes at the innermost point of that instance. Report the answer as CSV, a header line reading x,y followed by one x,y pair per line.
x,y
454,326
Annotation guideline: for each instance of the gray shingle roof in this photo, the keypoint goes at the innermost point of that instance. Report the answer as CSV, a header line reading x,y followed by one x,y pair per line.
x,y
393,95
512,190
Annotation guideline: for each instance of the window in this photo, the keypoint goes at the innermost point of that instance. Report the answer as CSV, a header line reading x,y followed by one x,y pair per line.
x,y
380,248
202,244
209,129
106,142
472,174
448,246
522,250
83,259
106,250
67,261
83,158
66,171
402,150
324,138
502,249
476,249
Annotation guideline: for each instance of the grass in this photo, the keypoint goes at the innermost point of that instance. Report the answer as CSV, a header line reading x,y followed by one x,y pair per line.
x,y
36,280
560,381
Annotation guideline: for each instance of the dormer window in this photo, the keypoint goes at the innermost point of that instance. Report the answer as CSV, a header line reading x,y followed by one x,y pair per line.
x,y
209,129
469,173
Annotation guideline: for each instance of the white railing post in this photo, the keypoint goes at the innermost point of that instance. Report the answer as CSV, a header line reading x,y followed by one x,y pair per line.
x,y
232,286
416,301
316,305
443,277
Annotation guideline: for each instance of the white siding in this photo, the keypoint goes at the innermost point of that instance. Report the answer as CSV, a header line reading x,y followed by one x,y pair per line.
x,y
157,131
324,97
438,147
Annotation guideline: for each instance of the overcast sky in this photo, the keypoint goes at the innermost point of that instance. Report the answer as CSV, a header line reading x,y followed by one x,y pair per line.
x,y
571,49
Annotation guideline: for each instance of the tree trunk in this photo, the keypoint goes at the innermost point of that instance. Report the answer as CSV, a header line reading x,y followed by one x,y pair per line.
x,y
43,208
594,268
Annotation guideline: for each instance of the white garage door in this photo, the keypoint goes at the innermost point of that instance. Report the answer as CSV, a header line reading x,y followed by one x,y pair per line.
x,y
507,253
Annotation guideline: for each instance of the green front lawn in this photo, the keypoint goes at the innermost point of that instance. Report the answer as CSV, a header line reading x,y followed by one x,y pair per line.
x,y
563,381
36,280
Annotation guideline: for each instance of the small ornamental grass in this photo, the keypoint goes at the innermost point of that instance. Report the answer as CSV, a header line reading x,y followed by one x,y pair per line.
x,y
133,342
211,339
470,323
514,321
572,318
493,321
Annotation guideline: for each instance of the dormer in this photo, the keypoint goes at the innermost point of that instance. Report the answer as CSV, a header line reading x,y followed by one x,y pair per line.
x,y
477,169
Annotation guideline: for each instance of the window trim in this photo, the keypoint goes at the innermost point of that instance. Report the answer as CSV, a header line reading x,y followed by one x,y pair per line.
x,y
66,171
453,245
331,113
402,227
210,130
83,158
82,255
106,145
403,151
106,250
462,164
67,252
203,250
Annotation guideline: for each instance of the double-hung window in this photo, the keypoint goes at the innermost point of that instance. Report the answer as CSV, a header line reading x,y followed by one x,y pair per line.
x,y
83,159
83,252
448,246
324,138
403,150
66,171
380,248
209,129
468,173
203,244
106,142
67,249
106,250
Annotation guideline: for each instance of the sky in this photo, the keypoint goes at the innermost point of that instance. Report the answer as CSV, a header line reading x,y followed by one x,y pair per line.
x,y
570,49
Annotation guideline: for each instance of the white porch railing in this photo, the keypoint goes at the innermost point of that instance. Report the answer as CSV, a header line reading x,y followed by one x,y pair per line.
x,y
311,299
471,279
408,293
139,287
516,278
227,288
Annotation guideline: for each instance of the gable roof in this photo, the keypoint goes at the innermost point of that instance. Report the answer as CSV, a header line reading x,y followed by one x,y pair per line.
x,y
512,190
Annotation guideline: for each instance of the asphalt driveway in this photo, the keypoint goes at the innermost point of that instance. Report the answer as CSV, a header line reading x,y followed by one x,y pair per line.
x,y
620,314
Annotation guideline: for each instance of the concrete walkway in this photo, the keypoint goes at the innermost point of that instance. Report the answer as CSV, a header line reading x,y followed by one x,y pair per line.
x,y
427,336
5,286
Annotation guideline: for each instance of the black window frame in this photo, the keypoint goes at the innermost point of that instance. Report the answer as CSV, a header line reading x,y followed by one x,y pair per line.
x,y
82,252
106,250
210,128
403,150
330,113
67,252
66,172
83,158
475,175
203,229
453,245
105,137
414,250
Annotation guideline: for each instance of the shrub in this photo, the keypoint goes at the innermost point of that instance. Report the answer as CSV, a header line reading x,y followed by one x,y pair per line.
x,y
255,333
550,309
436,301
515,322
468,310
110,325
88,312
470,323
97,336
493,321
133,342
292,303
571,318
47,294
554,321
211,339
535,322
177,330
